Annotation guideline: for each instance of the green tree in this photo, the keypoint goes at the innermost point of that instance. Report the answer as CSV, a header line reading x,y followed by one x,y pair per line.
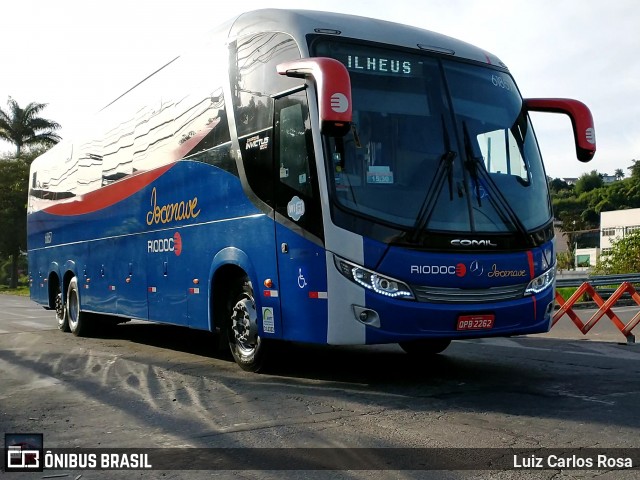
x,y
589,181
14,185
23,127
571,212
566,261
619,174
635,169
623,258
14,175
579,209
558,185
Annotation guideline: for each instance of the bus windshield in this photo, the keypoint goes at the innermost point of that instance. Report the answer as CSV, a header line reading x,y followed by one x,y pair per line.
x,y
435,145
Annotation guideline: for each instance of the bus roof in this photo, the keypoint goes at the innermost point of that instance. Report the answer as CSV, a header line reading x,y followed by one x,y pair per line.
x,y
300,23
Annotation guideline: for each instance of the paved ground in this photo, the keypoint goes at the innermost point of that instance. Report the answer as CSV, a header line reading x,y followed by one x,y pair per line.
x,y
143,385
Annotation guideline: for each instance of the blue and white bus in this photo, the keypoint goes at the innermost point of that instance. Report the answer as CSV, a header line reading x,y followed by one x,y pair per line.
x,y
309,177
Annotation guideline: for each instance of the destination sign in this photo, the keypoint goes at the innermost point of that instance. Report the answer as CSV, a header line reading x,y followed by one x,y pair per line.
x,y
371,60
379,65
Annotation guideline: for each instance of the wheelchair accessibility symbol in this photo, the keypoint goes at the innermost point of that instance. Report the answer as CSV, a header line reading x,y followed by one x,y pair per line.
x,y
301,280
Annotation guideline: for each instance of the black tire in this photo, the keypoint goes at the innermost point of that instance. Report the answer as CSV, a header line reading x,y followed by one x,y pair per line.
x,y
78,320
425,347
61,312
246,345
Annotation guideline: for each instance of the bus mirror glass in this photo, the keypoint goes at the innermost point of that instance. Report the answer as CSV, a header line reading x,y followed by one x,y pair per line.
x,y
583,129
333,88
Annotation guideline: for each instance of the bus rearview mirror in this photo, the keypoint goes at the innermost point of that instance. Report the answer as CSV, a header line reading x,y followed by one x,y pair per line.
x,y
583,129
333,87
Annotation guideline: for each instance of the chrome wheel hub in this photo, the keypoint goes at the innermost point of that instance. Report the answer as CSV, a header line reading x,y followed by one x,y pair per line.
x,y
244,325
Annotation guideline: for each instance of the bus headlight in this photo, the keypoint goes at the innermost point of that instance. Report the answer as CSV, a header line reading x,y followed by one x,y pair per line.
x,y
541,282
371,280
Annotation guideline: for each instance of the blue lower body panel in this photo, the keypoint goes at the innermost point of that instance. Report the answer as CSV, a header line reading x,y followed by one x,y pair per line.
x,y
406,320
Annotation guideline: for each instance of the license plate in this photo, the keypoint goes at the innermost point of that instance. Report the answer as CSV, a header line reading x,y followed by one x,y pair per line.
x,y
475,322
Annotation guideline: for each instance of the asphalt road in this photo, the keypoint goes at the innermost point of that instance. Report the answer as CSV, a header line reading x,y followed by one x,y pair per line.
x,y
142,385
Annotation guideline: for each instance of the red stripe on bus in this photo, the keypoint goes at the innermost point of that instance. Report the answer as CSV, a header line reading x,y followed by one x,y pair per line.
x,y
109,195
532,270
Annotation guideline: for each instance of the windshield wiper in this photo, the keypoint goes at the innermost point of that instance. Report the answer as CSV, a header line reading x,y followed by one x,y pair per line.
x,y
445,168
476,169
471,163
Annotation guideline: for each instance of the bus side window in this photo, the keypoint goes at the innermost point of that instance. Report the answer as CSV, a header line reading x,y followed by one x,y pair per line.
x,y
254,81
501,153
254,78
294,160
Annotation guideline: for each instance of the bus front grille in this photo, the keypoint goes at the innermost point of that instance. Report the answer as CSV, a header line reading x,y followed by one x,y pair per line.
x,y
464,295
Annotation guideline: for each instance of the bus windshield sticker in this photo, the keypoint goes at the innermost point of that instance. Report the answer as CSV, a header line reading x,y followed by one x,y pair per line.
x,y
295,208
379,174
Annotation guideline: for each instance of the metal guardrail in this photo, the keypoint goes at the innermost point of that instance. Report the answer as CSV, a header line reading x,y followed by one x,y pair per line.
x,y
599,280
588,286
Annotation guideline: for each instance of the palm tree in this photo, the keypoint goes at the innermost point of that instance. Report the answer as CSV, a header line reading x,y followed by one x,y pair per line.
x,y
635,168
23,126
619,174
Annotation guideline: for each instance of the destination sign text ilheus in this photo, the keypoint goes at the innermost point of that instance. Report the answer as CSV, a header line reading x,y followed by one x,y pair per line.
x,y
378,65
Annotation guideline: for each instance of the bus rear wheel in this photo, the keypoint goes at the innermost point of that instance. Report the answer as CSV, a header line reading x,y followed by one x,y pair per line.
x,y
425,347
61,312
78,320
247,348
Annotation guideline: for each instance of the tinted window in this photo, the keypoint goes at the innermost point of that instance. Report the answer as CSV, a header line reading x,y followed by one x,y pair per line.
x,y
295,165
254,78
436,145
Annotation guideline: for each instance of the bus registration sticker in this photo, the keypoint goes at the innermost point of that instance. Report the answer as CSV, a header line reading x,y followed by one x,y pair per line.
x,y
475,322
268,323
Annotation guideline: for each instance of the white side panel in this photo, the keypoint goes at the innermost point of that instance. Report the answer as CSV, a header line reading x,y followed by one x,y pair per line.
x,y
342,294
343,328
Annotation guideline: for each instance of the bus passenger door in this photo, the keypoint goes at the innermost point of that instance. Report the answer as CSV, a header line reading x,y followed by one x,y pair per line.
x,y
299,229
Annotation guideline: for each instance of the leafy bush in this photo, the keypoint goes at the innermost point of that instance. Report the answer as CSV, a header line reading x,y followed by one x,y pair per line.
x,y
623,258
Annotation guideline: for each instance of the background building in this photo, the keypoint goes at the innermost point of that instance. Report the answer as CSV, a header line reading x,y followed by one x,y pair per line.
x,y
613,225
617,224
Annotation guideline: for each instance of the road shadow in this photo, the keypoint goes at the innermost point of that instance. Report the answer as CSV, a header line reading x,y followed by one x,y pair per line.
x,y
170,337
534,378
370,364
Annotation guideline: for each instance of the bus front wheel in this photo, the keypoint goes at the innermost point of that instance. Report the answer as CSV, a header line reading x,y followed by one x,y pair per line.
x,y
425,347
78,320
247,348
